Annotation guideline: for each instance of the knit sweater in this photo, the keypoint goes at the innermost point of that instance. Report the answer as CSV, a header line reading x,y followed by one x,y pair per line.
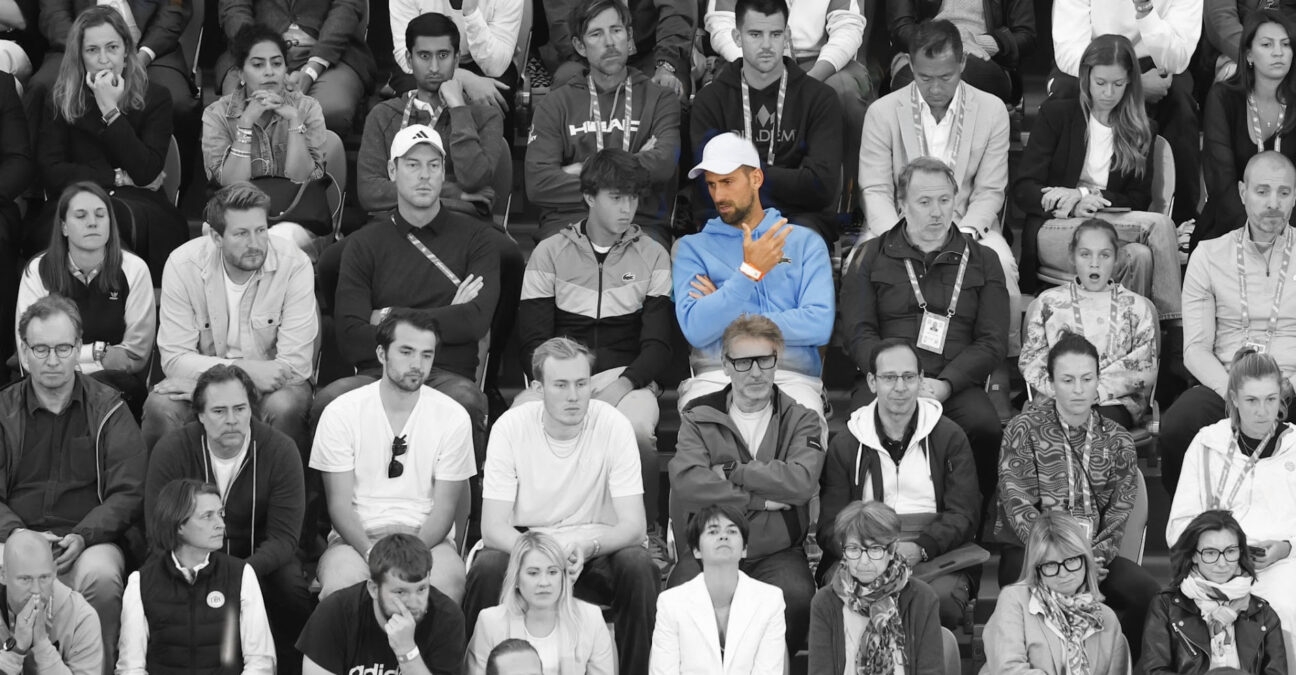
x,y
1127,350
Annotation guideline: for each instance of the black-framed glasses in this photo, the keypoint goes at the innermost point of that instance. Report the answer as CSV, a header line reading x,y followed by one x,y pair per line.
x,y
890,379
396,468
43,351
1210,556
743,364
1052,569
874,552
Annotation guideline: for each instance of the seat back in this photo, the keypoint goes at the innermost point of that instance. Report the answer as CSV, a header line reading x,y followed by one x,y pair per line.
x,y
1131,546
1163,177
953,662
171,177
523,48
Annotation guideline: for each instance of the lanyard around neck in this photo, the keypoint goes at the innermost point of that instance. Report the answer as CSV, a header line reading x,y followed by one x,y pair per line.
x,y
956,133
597,116
778,114
958,284
1244,304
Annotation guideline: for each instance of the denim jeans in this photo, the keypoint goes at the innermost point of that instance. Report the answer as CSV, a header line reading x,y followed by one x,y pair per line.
x,y
284,409
1147,263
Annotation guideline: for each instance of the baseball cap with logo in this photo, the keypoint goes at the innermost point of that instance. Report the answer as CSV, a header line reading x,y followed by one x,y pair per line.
x,y
725,153
413,135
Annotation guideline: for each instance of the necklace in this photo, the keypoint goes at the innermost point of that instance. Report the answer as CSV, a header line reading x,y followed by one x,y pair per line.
x,y
580,436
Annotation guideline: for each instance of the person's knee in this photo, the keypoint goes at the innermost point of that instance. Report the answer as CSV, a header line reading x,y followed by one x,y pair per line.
x,y
333,390
448,572
466,393
1136,255
634,564
290,402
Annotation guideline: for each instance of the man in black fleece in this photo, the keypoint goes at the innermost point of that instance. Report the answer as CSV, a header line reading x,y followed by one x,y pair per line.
x,y
258,472
794,120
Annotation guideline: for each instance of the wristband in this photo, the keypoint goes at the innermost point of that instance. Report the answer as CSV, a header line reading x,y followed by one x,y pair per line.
x,y
409,655
310,72
99,349
597,548
750,271
111,116
666,66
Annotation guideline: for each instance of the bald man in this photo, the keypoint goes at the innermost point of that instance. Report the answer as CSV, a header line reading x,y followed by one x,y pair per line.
x,y
1217,322
48,628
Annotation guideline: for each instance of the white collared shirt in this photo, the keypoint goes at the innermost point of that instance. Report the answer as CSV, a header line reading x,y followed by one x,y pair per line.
x,y
939,134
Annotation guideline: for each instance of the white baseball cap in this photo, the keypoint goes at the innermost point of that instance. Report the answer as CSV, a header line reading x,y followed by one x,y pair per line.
x,y
413,135
725,153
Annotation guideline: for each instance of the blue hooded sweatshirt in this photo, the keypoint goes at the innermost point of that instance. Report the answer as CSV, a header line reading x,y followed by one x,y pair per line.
x,y
797,294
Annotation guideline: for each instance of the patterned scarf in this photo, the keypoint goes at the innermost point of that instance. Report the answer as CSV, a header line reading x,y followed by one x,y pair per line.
x,y
1073,618
1220,605
881,648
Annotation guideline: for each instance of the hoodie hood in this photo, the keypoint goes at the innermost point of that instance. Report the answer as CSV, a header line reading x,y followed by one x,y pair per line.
x,y
636,78
863,422
575,234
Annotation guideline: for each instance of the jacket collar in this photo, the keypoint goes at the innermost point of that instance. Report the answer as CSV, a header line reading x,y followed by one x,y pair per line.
x,y
213,262
741,613
575,233
896,244
732,74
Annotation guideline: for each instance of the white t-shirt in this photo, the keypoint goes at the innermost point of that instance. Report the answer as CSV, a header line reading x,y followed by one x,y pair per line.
x,y
549,648
1098,155
233,301
752,425
354,435
553,484
224,470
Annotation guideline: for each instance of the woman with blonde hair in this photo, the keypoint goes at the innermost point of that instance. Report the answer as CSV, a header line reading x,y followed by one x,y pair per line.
x,y
537,604
1246,464
1052,621
109,125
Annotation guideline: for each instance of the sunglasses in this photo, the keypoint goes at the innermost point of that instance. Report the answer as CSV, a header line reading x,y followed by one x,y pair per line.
x,y
396,468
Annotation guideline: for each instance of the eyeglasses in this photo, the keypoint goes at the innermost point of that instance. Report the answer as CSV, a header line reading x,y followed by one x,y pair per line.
x,y
1052,569
854,551
890,379
743,364
43,351
396,468
1212,555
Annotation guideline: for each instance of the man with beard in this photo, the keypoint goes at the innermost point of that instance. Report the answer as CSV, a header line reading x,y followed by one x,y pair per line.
x,y
395,456
752,447
611,106
258,473
394,621
1237,292
436,261
749,260
794,119
237,296
52,627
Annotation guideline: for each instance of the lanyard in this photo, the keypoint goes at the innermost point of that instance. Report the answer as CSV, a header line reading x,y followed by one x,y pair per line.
x,y
598,116
1257,131
409,109
778,115
956,136
1244,304
958,284
1111,321
1086,497
1216,499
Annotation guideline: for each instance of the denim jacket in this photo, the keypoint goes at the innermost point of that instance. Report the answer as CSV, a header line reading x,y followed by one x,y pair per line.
x,y
269,135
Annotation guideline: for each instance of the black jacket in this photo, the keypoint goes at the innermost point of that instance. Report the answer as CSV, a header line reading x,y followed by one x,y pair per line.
x,y
1010,22
1176,640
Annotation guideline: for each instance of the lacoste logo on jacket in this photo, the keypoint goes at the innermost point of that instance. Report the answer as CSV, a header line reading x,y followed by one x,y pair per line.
x,y
628,276
608,126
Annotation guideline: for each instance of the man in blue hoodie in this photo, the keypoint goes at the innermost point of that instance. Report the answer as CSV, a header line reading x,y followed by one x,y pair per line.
x,y
750,260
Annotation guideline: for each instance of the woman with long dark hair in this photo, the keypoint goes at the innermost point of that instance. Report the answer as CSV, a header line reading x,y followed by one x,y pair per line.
x,y
111,287
1246,114
110,126
1208,617
1092,157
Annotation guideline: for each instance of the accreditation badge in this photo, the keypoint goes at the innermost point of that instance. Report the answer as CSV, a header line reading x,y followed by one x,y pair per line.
x,y
932,332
